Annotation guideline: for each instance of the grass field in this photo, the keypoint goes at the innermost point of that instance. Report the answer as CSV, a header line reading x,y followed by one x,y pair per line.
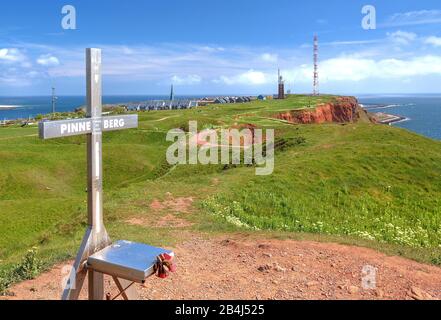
x,y
365,184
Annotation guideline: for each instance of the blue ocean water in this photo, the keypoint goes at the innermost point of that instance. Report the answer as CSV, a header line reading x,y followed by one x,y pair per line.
x,y
423,112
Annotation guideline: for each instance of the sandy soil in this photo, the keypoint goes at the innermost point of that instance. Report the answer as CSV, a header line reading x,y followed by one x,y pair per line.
x,y
237,267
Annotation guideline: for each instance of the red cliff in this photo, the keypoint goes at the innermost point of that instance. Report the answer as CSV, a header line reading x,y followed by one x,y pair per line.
x,y
343,109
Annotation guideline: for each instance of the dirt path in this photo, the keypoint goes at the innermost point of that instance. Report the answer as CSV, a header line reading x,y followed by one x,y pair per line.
x,y
240,268
165,118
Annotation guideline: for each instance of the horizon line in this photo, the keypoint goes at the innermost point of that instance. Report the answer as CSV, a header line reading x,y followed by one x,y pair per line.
x,y
222,94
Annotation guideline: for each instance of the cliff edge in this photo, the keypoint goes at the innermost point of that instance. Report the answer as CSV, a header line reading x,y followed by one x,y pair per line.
x,y
342,110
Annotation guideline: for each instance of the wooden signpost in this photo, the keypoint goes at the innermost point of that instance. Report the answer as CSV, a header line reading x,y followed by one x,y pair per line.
x,y
123,258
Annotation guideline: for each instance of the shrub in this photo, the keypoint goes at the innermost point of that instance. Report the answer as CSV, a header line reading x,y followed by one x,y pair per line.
x,y
28,268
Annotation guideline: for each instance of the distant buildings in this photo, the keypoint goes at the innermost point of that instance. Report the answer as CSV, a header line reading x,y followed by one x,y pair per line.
x,y
162,105
224,100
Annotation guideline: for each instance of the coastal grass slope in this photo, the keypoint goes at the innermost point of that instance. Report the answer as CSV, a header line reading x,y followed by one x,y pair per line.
x,y
359,183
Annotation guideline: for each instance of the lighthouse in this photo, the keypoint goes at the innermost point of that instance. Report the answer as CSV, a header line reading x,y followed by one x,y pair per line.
x,y
281,94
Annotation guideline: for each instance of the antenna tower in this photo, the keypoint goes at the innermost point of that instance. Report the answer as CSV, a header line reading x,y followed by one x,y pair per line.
x,y
316,74
54,99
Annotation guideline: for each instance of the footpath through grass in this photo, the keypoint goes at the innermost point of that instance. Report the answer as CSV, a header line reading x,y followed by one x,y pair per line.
x,y
366,184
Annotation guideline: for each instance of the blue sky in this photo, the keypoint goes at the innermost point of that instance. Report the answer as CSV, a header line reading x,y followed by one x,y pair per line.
x,y
221,47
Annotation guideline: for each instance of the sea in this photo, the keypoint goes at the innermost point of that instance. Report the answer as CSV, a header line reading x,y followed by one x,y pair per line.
x,y
421,113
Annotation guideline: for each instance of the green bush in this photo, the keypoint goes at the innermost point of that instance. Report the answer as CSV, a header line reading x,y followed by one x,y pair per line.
x,y
28,268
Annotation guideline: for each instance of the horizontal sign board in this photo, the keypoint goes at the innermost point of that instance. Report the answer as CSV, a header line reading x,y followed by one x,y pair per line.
x,y
74,127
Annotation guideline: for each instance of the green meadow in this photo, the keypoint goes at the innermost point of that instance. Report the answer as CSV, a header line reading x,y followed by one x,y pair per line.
x,y
361,183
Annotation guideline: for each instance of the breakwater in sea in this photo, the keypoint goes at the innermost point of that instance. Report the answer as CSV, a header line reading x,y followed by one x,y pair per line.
x,y
418,113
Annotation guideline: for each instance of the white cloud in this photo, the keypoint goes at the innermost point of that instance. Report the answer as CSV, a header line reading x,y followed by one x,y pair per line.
x,y
13,64
156,63
47,60
186,80
33,74
14,78
414,18
210,49
12,55
250,78
356,69
237,68
127,50
434,41
402,37
269,57
346,43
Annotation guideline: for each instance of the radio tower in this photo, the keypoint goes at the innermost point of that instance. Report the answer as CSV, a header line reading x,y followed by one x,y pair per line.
x,y
316,75
54,100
